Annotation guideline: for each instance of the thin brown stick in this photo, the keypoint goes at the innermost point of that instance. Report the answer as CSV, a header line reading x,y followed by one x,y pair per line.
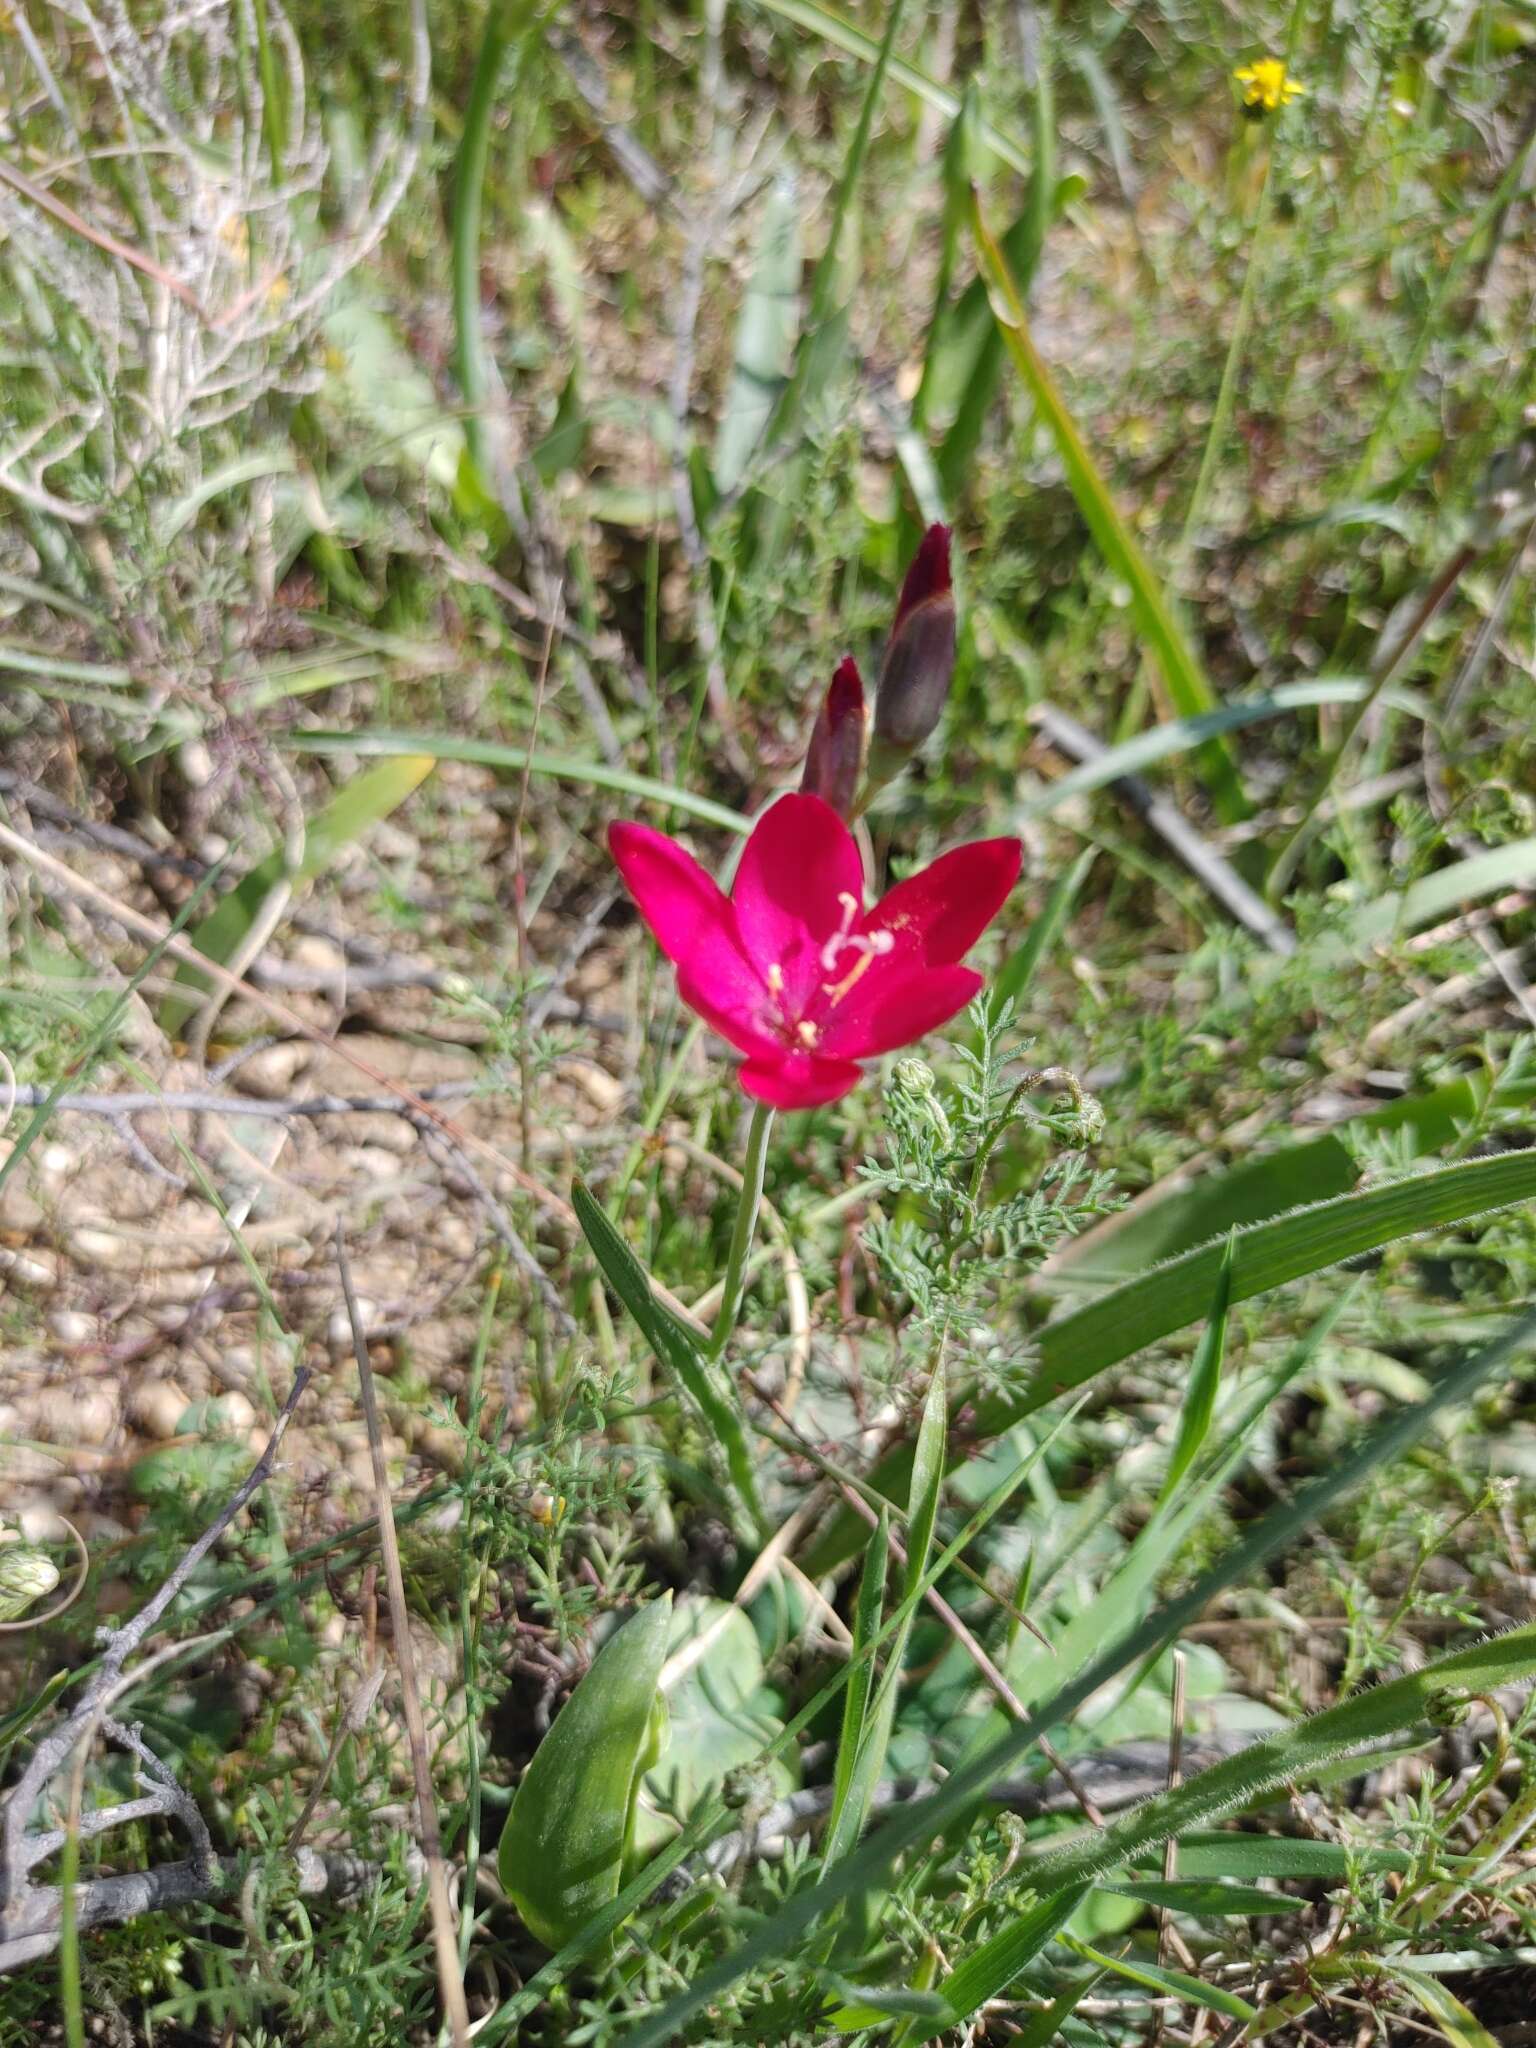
x,y
444,1933
520,888
67,217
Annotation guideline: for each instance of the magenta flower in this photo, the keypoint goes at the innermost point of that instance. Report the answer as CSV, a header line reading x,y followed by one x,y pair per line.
x,y
790,968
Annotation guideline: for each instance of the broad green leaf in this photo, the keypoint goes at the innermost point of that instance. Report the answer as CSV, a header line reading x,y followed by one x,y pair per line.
x,y
1204,1379
765,334
1167,1983
721,1713
375,376
500,2026
563,1847
357,805
1204,1901
674,1348
444,746
1267,1255
1189,691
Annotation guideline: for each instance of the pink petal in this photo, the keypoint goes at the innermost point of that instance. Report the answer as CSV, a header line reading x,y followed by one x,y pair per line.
x,y
798,1080
883,1013
937,915
694,926
799,866
736,1024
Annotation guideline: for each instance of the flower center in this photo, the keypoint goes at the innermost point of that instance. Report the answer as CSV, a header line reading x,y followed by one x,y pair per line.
x,y
867,945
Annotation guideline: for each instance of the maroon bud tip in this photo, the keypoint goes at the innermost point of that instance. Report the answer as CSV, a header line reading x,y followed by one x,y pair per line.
x,y
834,762
845,693
928,575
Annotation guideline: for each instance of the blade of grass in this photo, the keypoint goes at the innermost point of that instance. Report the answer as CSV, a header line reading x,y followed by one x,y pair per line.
x,y
823,342
1179,735
1204,1378
765,335
357,805
507,23
675,1349
854,42
866,1622
1188,690
922,1514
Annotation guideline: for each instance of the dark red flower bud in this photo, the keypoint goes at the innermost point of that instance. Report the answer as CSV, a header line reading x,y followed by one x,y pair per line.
x,y
834,762
919,659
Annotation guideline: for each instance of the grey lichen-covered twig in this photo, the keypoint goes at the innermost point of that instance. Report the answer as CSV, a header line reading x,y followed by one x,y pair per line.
x,y
33,1930
28,1911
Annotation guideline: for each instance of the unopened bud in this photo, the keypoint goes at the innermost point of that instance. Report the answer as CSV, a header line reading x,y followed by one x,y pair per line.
x,y
919,659
834,761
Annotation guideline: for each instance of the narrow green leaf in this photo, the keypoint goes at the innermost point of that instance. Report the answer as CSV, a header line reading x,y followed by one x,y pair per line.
x,y
965,354
989,1971
1249,1856
1204,1379
866,1622
1047,2024
674,1348
1167,1983
357,805
1179,735
1461,2027
562,1850
1188,689
1204,1901
492,754
1445,892
922,1515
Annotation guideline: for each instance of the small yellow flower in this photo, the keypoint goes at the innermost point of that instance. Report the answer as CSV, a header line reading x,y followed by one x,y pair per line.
x,y
1266,85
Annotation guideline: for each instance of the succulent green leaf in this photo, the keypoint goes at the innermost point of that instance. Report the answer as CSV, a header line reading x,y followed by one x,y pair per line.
x,y
562,1850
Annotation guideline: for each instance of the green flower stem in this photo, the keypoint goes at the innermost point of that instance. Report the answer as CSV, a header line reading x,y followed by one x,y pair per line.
x,y
734,1285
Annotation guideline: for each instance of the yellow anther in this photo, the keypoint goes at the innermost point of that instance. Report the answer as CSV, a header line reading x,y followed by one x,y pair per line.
x,y
806,1032
776,978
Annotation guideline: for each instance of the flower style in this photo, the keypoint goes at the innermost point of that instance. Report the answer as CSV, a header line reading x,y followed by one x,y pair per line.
x,y
1267,85
791,968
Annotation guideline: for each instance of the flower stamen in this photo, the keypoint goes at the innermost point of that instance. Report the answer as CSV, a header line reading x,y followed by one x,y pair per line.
x,y
868,945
